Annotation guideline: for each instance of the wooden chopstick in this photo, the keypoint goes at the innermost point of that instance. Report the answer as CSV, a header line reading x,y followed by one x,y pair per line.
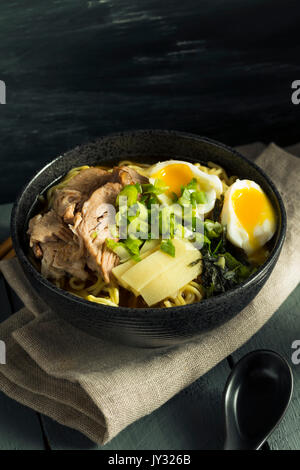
x,y
10,254
5,248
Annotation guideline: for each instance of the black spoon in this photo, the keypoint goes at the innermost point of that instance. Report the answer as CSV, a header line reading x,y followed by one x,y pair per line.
x,y
257,394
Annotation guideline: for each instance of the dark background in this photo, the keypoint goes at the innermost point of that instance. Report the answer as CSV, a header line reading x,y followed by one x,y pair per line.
x,y
77,69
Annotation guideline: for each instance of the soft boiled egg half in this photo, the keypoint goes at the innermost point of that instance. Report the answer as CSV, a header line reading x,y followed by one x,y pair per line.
x,y
248,215
176,173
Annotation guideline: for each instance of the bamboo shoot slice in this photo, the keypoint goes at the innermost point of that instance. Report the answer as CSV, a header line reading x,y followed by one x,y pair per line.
x,y
119,270
157,263
170,281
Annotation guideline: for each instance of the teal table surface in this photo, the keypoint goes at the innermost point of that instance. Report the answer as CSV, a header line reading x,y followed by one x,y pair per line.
x,y
193,419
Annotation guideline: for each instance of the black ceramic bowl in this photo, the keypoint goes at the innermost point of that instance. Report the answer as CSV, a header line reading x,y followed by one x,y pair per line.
x,y
145,327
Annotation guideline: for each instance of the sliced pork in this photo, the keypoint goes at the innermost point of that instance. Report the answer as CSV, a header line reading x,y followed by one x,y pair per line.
x,y
108,261
70,237
93,226
77,190
87,181
48,228
65,202
60,258
53,242
125,175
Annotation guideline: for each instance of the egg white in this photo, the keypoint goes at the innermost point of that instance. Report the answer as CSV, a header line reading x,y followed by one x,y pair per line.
x,y
236,233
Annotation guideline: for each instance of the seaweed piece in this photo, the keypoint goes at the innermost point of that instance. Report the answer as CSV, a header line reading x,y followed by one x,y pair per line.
x,y
216,213
218,277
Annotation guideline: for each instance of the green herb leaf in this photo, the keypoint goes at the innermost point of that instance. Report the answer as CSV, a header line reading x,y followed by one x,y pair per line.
x,y
191,195
138,187
138,229
185,197
213,229
133,246
217,248
119,248
220,262
242,271
158,187
131,192
198,197
125,249
111,244
200,239
192,185
168,247
167,222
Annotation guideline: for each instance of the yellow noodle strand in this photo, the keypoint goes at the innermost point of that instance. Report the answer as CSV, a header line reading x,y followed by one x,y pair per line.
x,y
76,284
190,293
132,164
96,288
101,300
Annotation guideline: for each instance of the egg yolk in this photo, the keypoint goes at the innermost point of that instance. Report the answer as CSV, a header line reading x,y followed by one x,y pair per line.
x,y
252,208
174,176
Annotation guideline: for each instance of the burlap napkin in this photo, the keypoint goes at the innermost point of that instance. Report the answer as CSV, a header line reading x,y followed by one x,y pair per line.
x,y
100,388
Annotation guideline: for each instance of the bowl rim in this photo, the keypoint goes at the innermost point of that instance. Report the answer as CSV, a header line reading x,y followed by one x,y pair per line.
x,y
157,311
